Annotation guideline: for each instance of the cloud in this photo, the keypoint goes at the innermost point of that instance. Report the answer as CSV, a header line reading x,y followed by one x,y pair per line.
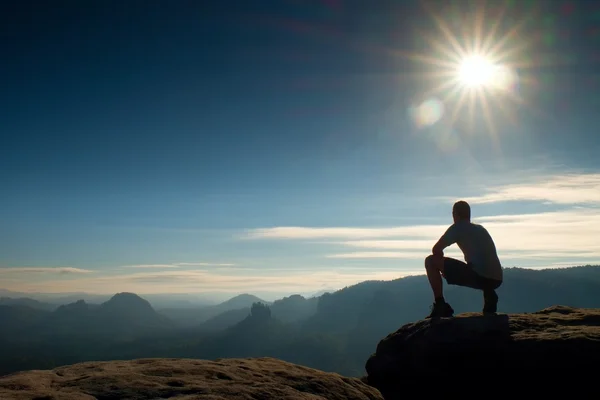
x,y
204,264
583,189
589,255
424,231
417,255
559,235
179,265
54,270
182,281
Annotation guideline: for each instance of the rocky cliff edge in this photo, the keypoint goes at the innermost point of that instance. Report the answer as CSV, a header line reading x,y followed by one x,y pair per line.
x,y
552,351
235,379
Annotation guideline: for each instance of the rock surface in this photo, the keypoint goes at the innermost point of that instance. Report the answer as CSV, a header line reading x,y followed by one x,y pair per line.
x,y
236,379
472,350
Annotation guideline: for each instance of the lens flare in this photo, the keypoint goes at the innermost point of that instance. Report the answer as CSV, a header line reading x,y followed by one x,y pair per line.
x,y
427,113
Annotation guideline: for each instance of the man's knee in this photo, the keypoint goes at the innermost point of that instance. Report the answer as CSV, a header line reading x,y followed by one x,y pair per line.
x,y
434,262
429,261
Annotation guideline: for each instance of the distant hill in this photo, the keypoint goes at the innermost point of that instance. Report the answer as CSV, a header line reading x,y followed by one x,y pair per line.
x,y
291,309
335,332
294,308
240,301
558,341
166,300
322,292
193,317
25,301
16,319
125,315
348,323
224,320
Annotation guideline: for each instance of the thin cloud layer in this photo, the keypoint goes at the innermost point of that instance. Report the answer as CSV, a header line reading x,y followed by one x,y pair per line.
x,y
423,231
179,265
545,235
556,236
291,281
44,270
583,189
570,234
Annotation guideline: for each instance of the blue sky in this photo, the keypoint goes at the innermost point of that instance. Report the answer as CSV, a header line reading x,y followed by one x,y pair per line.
x,y
287,146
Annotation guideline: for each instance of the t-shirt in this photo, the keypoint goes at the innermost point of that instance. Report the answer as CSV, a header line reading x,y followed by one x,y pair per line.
x,y
477,246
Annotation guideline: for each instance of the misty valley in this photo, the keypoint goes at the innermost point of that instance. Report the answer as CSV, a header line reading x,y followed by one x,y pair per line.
x,y
335,331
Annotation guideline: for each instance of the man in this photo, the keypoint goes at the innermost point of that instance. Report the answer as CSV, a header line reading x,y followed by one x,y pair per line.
x,y
482,269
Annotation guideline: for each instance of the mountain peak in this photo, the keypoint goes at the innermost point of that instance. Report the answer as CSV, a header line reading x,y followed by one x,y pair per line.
x,y
242,300
77,306
126,297
128,301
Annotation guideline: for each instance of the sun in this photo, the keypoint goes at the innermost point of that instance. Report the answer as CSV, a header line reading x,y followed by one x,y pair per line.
x,y
476,71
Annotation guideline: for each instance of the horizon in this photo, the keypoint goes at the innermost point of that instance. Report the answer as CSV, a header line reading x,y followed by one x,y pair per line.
x,y
219,297
288,147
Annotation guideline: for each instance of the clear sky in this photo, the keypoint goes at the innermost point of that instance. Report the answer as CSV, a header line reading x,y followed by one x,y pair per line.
x,y
289,146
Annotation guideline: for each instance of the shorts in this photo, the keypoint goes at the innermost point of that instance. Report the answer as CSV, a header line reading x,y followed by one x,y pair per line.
x,y
460,273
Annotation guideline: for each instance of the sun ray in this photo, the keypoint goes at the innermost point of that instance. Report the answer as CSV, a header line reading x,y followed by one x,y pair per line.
x,y
489,40
478,30
443,27
519,48
465,29
439,88
502,41
430,60
449,94
441,48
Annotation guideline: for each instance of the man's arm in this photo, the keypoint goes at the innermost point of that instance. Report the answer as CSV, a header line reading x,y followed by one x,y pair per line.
x,y
447,239
438,248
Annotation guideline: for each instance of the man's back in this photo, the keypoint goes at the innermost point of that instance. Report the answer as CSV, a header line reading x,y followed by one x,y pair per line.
x,y
477,246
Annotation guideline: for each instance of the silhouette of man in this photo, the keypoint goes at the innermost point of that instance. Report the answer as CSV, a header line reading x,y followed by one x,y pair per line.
x,y
482,269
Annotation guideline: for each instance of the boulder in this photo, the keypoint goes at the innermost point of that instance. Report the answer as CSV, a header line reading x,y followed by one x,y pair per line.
x,y
235,379
471,351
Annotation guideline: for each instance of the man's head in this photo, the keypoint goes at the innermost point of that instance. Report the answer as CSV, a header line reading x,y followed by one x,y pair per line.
x,y
461,211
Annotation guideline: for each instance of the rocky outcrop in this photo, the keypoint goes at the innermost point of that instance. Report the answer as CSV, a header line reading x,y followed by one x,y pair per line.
x,y
235,379
491,355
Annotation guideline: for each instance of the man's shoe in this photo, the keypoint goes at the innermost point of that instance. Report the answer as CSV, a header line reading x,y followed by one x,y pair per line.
x,y
441,310
490,305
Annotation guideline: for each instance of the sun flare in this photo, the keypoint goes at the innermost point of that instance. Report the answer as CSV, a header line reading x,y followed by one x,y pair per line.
x,y
472,69
476,71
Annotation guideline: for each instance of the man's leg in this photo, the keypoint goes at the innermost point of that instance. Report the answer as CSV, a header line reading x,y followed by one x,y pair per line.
x,y
462,274
490,297
434,265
